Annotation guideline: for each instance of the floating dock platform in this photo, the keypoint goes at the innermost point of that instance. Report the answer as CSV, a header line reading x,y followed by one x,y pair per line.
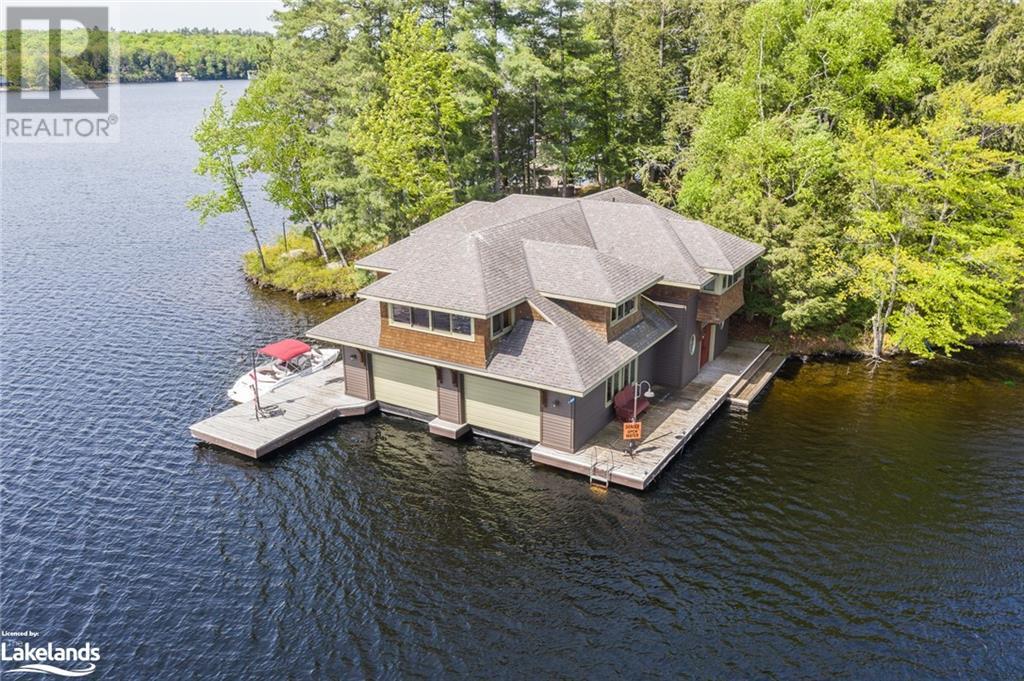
x,y
673,418
291,411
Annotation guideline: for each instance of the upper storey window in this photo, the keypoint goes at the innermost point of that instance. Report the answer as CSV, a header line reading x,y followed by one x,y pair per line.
x,y
502,322
623,310
444,323
721,282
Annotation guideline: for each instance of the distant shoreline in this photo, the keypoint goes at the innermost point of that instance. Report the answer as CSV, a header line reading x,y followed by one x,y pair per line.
x,y
93,85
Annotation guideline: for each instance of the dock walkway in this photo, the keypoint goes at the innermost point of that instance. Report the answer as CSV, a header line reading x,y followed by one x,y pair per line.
x,y
674,416
293,410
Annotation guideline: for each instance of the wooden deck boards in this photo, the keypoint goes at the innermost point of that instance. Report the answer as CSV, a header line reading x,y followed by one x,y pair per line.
x,y
746,392
674,416
297,408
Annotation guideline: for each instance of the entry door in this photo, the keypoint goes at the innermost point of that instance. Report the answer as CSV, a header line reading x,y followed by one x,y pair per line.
x,y
705,344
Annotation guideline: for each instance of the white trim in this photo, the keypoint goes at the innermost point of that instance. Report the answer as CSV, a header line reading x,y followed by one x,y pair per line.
x,y
447,334
511,321
678,306
636,308
678,285
585,301
368,268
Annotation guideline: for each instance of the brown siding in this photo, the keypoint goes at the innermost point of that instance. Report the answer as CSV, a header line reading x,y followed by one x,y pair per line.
x,y
594,316
357,373
717,308
425,344
449,396
616,329
556,421
671,294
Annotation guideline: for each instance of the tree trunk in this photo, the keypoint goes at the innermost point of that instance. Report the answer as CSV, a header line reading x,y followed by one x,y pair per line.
x,y
248,217
319,241
496,143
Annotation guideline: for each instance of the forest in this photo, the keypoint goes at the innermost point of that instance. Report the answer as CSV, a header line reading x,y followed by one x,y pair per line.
x,y
873,146
144,57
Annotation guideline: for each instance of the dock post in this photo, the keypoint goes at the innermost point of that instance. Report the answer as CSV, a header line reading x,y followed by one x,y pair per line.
x,y
255,386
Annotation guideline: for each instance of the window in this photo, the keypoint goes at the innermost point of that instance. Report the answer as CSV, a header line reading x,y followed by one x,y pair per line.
x,y
420,318
444,323
710,286
441,321
462,326
626,375
501,323
693,343
624,309
401,314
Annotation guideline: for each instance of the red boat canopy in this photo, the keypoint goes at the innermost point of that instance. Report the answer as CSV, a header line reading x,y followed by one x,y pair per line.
x,y
285,350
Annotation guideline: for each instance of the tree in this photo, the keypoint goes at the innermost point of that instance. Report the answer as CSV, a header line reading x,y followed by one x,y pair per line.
x,y
939,223
764,161
220,143
406,133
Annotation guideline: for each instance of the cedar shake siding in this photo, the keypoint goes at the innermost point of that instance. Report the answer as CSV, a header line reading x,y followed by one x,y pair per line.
x,y
357,373
556,421
717,308
616,329
594,316
676,295
599,318
471,351
449,396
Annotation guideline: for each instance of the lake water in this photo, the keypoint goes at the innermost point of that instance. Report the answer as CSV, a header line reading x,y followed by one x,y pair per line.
x,y
852,525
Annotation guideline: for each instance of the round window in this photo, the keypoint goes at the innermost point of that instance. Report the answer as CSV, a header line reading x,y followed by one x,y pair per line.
x,y
693,343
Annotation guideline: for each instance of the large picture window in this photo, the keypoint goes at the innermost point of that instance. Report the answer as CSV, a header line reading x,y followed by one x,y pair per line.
x,y
445,323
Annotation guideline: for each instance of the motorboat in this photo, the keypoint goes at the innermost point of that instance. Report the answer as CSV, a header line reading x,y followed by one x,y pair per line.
x,y
289,359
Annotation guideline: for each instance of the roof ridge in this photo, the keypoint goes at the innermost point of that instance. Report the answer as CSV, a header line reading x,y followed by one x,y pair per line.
x,y
674,237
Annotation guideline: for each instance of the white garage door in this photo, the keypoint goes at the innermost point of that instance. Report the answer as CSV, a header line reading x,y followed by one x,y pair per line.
x,y
405,384
503,407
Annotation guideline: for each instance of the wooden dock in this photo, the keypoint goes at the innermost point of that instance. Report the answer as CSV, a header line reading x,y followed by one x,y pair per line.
x,y
673,418
754,381
292,411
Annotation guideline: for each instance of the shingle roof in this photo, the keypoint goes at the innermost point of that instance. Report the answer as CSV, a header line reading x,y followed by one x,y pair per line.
x,y
484,257
559,352
583,273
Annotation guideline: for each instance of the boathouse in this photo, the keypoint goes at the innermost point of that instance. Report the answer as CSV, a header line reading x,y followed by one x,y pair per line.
x,y
523,319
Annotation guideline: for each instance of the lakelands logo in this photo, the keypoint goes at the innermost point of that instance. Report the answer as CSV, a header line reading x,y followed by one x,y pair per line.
x,y
58,66
50,659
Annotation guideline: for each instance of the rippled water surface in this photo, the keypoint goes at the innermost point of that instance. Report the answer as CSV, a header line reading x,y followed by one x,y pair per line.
x,y
851,525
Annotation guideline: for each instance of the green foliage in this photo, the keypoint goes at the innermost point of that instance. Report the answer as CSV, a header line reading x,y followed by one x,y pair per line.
x,y
404,135
831,131
148,56
765,159
939,225
303,274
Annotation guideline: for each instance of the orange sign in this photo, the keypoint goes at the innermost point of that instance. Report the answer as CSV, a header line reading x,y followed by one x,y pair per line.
x,y
632,430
